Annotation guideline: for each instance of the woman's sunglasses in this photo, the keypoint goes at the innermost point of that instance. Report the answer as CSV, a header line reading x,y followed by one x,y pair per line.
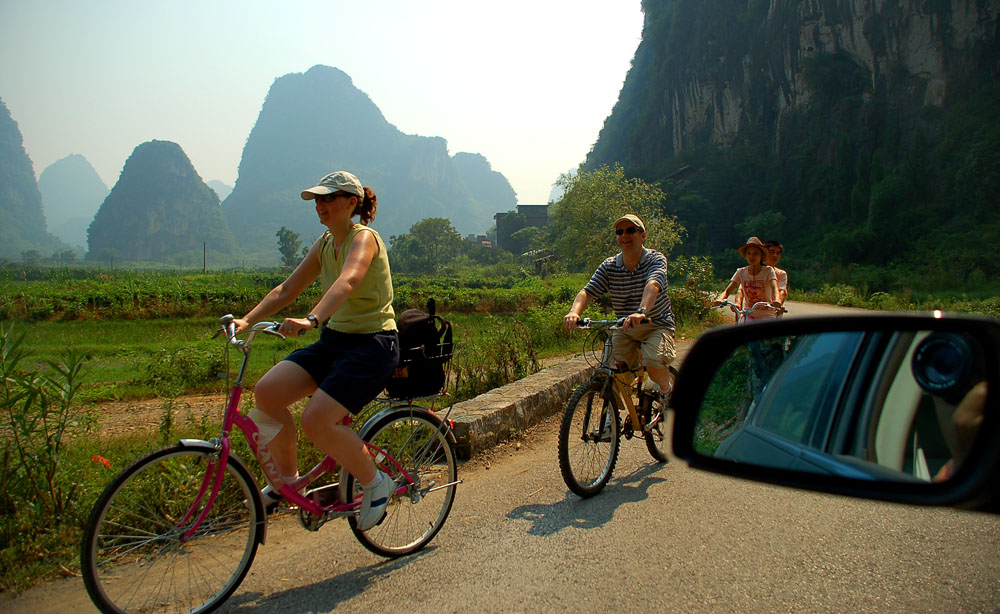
x,y
329,198
631,230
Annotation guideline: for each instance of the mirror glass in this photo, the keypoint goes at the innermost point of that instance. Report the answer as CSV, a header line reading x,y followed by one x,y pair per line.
x,y
897,406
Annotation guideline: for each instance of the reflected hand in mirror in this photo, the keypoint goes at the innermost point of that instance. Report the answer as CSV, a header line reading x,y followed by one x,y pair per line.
x,y
901,406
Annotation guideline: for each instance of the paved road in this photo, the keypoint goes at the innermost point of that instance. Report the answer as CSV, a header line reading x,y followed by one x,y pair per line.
x,y
659,538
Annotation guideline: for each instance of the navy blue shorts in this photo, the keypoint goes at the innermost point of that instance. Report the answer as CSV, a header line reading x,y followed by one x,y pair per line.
x,y
352,368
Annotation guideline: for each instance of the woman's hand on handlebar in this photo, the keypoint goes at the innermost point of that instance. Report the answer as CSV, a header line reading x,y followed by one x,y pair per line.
x,y
241,325
295,327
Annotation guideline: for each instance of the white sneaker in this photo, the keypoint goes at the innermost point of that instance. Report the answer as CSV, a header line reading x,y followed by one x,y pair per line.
x,y
272,499
604,434
374,500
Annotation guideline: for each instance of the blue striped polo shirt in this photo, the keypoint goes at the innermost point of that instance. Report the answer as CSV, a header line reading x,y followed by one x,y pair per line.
x,y
626,286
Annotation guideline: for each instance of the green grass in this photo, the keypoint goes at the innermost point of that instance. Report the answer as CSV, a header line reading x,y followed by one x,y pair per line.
x,y
134,359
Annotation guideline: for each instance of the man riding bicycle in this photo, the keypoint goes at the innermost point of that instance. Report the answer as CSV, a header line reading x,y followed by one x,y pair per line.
x,y
636,279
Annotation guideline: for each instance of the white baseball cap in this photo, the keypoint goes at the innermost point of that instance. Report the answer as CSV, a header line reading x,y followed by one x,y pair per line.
x,y
337,181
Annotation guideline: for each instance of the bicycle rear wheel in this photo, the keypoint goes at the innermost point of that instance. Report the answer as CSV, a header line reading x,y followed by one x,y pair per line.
x,y
418,441
132,556
586,458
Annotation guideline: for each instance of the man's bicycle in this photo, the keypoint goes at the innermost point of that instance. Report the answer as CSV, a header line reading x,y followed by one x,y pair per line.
x,y
177,530
612,404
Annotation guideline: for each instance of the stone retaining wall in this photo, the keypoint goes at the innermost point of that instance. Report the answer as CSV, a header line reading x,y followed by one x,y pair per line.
x,y
493,417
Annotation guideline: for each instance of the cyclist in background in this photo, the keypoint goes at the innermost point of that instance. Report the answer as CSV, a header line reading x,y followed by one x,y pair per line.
x,y
757,281
774,252
636,279
357,351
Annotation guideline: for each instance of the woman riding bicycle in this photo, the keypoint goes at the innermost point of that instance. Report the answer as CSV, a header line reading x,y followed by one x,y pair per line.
x,y
757,281
357,351
759,284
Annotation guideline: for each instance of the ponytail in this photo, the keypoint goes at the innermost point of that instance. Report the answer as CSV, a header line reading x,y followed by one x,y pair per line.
x,y
366,209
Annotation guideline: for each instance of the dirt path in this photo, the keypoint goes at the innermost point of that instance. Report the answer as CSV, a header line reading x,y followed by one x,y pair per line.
x,y
119,418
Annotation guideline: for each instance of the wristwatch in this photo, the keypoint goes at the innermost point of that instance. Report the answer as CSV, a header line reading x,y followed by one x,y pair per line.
x,y
314,320
642,310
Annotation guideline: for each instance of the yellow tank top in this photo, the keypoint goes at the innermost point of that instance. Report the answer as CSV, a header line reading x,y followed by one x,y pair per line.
x,y
369,307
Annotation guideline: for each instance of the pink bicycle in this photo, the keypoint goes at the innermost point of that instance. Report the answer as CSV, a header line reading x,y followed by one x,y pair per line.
x,y
177,530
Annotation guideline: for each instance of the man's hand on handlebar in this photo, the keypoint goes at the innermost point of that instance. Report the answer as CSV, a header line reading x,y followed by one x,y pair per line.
x,y
634,319
571,320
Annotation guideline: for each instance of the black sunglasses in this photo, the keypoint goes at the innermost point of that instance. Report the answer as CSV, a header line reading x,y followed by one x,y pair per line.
x,y
631,230
329,198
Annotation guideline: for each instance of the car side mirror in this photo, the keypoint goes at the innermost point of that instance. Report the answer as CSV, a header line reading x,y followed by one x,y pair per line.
x,y
893,407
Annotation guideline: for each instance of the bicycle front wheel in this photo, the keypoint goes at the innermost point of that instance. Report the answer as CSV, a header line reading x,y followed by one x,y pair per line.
x,y
419,442
133,555
588,439
656,436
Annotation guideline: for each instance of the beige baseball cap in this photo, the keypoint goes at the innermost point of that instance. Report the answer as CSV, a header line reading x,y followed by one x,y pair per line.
x,y
336,181
631,217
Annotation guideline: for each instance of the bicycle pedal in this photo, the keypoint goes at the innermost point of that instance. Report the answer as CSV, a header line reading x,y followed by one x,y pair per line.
x,y
324,495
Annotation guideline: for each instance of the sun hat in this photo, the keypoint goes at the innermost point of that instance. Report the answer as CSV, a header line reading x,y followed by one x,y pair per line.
x,y
752,242
630,217
334,182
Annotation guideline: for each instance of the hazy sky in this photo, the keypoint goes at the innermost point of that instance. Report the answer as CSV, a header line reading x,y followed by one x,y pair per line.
x,y
528,84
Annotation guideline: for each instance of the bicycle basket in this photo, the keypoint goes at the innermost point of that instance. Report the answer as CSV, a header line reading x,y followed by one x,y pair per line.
x,y
419,375
425,347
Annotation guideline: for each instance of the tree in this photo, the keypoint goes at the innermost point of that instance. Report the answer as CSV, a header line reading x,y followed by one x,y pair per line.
x,y
289,245
431,243
581,221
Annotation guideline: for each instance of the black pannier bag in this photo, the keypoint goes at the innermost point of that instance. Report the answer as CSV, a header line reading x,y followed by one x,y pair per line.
x,y
425,346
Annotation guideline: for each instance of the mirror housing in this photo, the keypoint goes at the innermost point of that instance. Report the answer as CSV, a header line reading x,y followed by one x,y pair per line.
x,y
929,345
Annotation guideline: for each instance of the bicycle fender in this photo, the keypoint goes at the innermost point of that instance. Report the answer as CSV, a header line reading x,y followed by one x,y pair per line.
x,y
371,422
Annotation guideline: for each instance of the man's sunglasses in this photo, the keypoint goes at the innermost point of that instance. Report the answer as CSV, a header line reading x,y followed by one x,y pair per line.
x,y
631,230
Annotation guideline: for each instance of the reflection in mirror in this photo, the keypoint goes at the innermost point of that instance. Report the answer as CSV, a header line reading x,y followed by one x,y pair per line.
x,y
874,405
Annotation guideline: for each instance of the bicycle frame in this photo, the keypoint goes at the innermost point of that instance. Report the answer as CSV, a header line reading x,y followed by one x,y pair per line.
x,y
621,380
291,492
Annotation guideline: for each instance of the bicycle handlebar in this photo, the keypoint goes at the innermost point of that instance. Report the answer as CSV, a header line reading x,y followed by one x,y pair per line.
x,y
620,322
227,325
749,310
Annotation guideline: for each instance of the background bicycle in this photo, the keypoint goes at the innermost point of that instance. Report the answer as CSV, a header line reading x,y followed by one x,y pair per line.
x,y
614,403
178,529
742,314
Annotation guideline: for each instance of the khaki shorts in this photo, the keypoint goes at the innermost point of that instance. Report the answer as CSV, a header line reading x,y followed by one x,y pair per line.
x,y
655,344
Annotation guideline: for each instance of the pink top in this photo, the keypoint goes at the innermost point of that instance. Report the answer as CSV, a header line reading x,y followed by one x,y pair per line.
x,y
756,288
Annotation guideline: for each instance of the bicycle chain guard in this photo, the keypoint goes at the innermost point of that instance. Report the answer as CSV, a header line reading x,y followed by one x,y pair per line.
x,y
321,496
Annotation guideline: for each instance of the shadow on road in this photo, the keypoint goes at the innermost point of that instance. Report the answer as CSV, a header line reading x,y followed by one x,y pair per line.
x,y
323,596
590,513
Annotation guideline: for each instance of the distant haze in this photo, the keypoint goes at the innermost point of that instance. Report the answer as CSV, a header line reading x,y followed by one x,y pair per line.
x,y
72,192
526,84
220,188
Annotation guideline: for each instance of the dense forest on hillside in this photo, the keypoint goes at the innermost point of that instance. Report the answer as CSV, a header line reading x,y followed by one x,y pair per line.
x,y
868,172
178,219
22,223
